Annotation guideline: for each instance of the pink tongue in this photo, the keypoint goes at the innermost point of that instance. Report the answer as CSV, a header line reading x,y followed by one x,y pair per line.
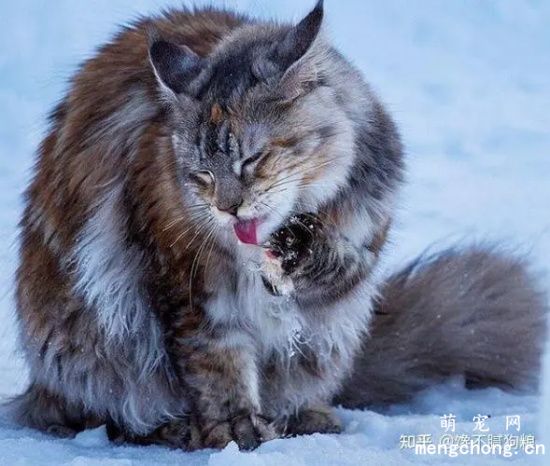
x,y
246,231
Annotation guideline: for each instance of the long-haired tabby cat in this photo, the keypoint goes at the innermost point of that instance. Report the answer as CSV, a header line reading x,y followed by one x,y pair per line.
x,y
200,243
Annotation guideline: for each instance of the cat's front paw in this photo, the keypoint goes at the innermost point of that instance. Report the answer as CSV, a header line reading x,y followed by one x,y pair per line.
x,y
311,421
289,250
247,431
180,433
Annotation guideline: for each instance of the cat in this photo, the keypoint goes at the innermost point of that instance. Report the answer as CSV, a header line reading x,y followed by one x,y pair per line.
x,y
200,245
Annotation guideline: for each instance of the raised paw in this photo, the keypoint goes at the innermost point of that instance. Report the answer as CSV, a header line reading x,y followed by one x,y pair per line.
x,y
310,421
289,250
248,431
293,242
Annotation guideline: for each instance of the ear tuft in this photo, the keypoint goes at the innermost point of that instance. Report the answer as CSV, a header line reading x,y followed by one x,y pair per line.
x,y
174,65
300,38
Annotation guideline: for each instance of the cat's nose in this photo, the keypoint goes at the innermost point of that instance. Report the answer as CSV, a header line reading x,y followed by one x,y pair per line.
x,y
230,209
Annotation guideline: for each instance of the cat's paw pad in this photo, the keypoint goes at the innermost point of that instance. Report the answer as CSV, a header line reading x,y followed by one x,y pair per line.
x,y
288,250
274,278
292,244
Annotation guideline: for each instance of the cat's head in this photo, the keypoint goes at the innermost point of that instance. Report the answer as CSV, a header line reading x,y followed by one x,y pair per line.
x,y
256,126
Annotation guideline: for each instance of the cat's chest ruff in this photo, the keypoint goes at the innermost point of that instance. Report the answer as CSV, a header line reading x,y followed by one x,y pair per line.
x,y
272,321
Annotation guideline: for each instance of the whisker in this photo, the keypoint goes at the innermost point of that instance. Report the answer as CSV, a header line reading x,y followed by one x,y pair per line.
x,y
202,228
296,173
199,226
197,208
284,218
195,263
212,242
300,187
301,212
202,204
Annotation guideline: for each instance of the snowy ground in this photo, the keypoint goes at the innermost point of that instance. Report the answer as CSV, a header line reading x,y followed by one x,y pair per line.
x,y
467,82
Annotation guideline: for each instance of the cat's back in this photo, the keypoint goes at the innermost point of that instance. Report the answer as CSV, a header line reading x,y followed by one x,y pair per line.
x,y
119,76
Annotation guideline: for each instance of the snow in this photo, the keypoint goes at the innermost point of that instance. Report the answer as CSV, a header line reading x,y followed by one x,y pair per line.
x,y
467,82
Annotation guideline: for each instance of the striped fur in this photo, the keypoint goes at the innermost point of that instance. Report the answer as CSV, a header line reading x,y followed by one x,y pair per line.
x,y
138,305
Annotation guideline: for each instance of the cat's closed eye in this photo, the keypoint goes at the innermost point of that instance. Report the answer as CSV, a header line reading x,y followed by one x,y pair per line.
x,y
252,163
203,177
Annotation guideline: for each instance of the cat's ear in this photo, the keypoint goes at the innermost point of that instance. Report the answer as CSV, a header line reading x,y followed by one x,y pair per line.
x,y
299,74
174,65
299,39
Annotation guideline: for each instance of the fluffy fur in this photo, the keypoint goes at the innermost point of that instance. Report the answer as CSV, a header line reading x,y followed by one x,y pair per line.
x,y
473,313
138,305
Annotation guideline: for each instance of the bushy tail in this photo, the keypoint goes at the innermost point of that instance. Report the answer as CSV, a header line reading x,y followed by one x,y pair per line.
x,y
475,313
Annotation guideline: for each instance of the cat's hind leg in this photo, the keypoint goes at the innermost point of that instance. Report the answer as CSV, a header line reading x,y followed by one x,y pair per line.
x,y
40,409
